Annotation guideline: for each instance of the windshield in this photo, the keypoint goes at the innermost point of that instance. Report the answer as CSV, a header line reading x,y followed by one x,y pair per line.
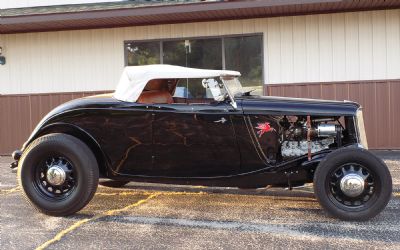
x,y
226,87
233,86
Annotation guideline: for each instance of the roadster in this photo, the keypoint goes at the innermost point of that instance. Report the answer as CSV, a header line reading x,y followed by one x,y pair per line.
x,y
211,132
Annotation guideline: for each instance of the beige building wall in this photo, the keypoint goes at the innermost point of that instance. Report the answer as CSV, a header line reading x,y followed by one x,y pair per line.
x,y
316,48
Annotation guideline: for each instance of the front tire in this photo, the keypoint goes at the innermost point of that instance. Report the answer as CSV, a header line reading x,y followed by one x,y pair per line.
x,y
58,174
353,184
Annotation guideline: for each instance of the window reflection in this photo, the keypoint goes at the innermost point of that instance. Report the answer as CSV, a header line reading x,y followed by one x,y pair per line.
x,y
142,53
244,54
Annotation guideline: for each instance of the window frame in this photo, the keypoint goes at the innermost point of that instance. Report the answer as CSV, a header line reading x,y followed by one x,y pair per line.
x,y
222,37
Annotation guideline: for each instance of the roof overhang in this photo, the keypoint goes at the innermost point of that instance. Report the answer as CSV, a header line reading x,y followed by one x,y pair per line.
x,y
90,16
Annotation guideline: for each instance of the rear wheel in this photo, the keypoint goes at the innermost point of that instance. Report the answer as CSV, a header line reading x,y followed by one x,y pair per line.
x,y
352,184
58,174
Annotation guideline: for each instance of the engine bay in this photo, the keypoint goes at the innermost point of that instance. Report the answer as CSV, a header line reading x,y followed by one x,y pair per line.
x,y
284,137
298,137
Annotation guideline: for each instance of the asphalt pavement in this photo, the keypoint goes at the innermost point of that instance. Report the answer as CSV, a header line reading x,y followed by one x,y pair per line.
x,y
153,216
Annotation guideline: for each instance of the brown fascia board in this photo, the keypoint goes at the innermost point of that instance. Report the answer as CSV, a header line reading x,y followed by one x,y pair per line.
x,y
155,10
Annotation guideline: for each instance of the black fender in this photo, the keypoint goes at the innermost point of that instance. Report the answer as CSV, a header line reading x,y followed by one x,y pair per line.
x,y
73,130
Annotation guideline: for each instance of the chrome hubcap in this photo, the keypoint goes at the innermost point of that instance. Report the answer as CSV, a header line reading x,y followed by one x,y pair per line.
x,y
352,185
56,175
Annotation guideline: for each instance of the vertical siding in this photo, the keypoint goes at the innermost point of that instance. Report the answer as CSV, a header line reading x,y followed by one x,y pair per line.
x,y
338,47
365,33
19,114
379,45
334,47
379,100
352,56
286,40
274,50
392,43
299,49
325,47
314,48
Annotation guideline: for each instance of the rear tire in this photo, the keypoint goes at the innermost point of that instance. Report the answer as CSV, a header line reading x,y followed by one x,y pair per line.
x,y
364,196
72,161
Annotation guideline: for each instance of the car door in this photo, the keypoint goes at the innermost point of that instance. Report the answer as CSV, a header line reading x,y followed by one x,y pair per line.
x,y
194,140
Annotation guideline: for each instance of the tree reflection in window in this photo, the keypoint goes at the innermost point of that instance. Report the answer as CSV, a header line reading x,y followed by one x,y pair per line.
x,y
195,53
244,54
143,53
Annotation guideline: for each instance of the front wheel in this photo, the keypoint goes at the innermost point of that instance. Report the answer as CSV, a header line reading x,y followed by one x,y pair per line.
x,y
353,184
58,174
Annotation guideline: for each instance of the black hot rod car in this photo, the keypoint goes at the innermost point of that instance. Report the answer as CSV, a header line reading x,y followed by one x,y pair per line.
x,y
154,128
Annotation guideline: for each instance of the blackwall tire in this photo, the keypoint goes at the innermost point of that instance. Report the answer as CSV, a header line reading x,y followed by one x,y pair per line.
x,y
331,195
65,152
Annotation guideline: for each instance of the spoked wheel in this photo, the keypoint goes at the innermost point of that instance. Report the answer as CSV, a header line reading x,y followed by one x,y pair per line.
x,y
58,174
352,184
55,177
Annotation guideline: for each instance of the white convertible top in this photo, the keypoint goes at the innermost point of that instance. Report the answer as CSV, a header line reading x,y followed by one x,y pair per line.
x,y
134,78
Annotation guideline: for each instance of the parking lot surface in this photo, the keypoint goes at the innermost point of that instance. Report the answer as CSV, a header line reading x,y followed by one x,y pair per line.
x,y
153,216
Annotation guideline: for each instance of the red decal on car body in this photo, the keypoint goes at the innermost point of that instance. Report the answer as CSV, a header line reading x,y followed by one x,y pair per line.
x,y
263,128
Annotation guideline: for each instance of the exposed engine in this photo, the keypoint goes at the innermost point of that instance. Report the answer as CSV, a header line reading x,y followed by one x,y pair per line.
x,y
320,133
297,148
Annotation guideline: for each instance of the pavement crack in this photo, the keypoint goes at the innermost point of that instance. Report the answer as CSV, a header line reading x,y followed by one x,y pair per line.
x,y
79,223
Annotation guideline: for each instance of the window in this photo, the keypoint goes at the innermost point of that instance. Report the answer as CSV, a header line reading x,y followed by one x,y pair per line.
x,y
174,53
241,53
192,90
142,53
244,54
199,53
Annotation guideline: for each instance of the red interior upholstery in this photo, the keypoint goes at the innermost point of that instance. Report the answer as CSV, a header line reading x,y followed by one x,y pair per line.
x,y
156,84
155,96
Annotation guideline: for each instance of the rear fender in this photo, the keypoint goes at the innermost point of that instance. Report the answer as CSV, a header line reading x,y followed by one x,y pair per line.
x,y
82,135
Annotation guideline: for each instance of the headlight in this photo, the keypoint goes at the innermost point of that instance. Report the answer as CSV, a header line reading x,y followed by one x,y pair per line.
x,y
362,136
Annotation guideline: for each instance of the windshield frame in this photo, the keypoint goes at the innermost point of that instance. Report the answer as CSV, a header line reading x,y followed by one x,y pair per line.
x,y
233,87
